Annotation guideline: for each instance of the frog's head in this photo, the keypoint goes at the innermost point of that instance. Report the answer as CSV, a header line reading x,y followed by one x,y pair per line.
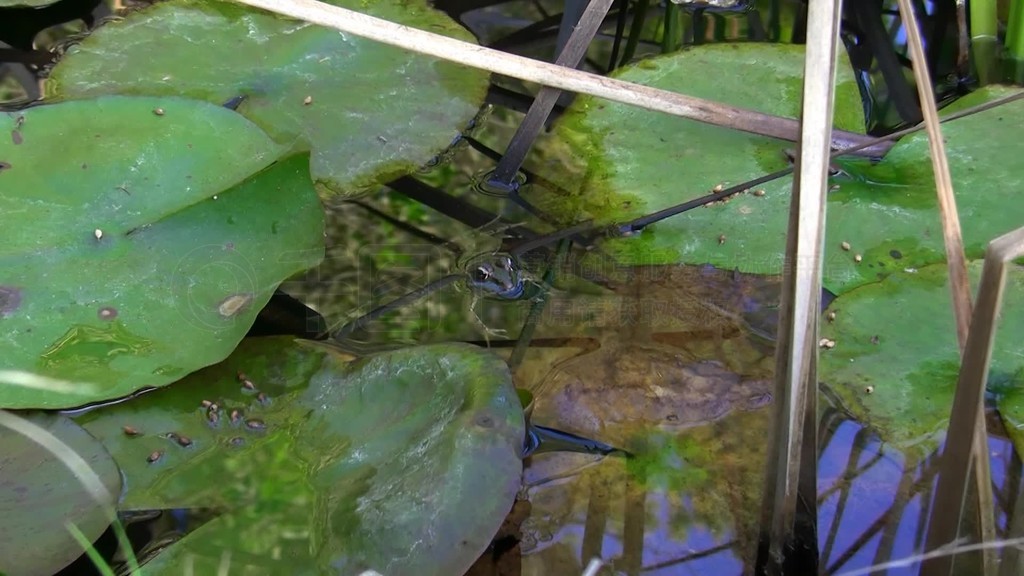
x,y
499,276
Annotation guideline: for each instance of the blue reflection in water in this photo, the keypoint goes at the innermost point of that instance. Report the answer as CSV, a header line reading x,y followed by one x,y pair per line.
x,y
873,503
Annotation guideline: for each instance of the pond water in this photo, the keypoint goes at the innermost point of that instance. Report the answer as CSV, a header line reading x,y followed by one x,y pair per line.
x,y
672,363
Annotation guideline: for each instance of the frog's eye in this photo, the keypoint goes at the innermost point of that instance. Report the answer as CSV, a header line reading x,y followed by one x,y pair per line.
x,y
505,263
482,274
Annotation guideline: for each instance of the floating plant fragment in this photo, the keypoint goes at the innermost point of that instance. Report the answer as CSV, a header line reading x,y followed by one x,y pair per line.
x,y
40,495
367,111
405,462
117,267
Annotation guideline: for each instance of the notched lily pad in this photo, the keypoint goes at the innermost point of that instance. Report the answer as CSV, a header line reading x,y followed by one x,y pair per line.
x,y
123,252
404,462
366,111
39,495
895,362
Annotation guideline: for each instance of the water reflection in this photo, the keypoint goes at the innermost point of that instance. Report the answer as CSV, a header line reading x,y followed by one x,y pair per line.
x,y
696,511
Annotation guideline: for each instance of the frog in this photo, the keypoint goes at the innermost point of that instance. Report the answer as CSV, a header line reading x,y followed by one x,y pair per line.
x,y
497,275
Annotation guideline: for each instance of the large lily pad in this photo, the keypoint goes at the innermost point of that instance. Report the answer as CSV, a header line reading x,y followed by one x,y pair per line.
x,y
367,111
404,462
640,161
898,337
39,495
25,3
125,262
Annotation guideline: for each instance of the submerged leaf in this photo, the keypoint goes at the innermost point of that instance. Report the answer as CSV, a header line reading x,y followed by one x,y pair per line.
x,y
125,262
40,495
366,111
404,462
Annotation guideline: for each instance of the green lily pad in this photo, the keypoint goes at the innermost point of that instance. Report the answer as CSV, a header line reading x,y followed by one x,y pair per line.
x,y
404,462
39,495
367,111
25,3
639,162
128,260
898,337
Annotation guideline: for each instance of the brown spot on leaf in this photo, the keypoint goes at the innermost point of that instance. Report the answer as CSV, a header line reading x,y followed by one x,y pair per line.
x,y
16,137
4,165
107,313
10,300
234,304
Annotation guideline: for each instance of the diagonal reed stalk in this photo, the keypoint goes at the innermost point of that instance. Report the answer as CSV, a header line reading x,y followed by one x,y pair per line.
x,y
961,292
549,74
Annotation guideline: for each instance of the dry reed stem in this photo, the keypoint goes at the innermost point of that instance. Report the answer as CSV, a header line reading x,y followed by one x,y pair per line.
x,y
952,236
548,74
949,550
957,264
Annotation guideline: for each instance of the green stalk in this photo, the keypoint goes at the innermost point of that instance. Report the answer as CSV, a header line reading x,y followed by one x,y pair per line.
x,y
700,27
97,559
984,39
719,22
637,28
1015,42
775,21
668,38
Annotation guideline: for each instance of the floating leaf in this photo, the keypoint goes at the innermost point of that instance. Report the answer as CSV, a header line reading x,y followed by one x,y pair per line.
x,y
404,462
124,262
367,111
25,3
641,161
895,362
39,495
